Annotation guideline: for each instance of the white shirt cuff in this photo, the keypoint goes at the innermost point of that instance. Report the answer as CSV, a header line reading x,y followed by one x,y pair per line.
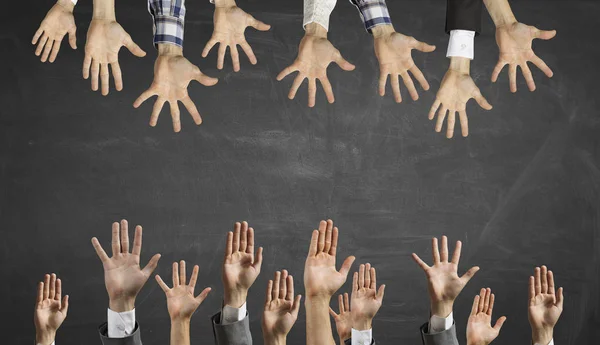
x,y
231,315
120,325
462,43
439,324
362,337
318,11
50,344
550,343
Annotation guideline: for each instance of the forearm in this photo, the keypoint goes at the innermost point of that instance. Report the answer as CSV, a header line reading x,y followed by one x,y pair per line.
x,y
273,340
104,9
235,297
500,12
461,65
382,30
180,332
66,4
165,49
314,29
318,324
541,336
121,304
44,337
224,3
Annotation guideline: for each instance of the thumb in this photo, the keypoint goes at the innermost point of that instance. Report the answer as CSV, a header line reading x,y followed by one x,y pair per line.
x,y
499,323
424,47
346,266
543,34
65,305
202,296
258,25
381,292
343,63
73,38
482,101
469,274
134,48
203,78
151,266
296,306
332,313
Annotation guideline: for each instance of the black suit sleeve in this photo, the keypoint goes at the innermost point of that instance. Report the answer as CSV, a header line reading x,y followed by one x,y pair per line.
x,y
464,15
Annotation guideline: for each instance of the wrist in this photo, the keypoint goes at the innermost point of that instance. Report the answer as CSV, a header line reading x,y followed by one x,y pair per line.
x,y
66,4
317,301
503,19
441,309
104,9
362,323
235,298
181,321
541,336
272,339
166,49
45,337
316,30
120,305
382,30
460,64
225,3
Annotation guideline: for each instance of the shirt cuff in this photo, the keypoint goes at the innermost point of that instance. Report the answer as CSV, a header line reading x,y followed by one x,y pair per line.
x,y
550,343
318,11
74,3
462,43
169,20
52,342
439,324
362,337
373,13
231,315
120,325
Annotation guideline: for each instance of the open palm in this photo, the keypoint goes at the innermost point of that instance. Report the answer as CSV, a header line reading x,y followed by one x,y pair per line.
x,y
58,22
479,326
281,308
343,320
51,308
181,302
545,305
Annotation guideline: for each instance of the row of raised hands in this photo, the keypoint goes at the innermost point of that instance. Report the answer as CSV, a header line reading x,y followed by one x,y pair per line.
x,y
124,278
173,72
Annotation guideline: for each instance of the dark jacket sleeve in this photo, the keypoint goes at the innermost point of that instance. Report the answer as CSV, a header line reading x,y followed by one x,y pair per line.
x,y
464,15
447,337
133,339
237,333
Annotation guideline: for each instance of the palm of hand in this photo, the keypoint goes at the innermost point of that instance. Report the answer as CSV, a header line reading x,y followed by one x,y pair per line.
x,y
58,22
515,42
172,75
181,302
343,324
365,303
314,55
48,314
123,276
320,275
444,282
277,316
543,312
394,53
105,39
230,24
455,91
238,271
479,329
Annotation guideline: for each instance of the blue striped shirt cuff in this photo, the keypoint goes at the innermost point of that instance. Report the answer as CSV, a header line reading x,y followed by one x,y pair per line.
x,y
373,12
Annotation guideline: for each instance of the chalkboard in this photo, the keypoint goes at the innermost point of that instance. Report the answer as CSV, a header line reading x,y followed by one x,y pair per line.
x,y
522,190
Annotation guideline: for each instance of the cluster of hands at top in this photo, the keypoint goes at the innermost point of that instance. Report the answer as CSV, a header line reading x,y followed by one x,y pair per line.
x,y
124,278
173,72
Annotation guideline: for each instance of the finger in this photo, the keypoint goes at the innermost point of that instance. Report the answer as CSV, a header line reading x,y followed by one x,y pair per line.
x,y
440,119
395,82
434,108
182,273
435,250
383,76
544,277
481,300
286,71
346,266
194,276
87,63
137,241
367,276
456,254
475,307
117,75
175,116
229,244
58,293
410,86
250,244
47,50
116,242
203,78
312,92
560,298
64,309
491,305
99,250
551,283
95,71
46,286
151,266
37,35
312,250
202,296
355,285
41,45
236,237
295,86
340,304
258,259
156,110
531,289
175,274
334,242
422,46
499,323
543,34
444,252
73,37
497,69
361,276
328,235
209,45
464,123
243,237
249,52
373,278
55,50
289,288
133,47
416,72
296,306
332,313
235,57
221,56
322,230
40,290
542,66
528,76
124,236
105,78
538,281
191,108
420,262
52,291
481,100
469,274
258,25
161,283
343,63
451,124
269,297
512,77
283,285
347,302
381,292
276,281
327,88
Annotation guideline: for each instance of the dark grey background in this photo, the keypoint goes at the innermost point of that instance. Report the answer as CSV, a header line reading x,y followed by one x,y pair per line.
x,y
521,190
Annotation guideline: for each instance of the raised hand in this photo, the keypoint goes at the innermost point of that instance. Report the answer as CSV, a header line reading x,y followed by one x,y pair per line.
x,y
320,275
50,309
58,22
230,22
394,52
172,75
105,38
240,266
123,276
181,301
545,305
366,299
479,326
515,44
314,55
444,284
343,320
456,89
281,309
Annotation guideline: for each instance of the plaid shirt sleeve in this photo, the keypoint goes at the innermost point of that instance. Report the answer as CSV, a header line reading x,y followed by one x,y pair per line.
x,y
168,16
372,12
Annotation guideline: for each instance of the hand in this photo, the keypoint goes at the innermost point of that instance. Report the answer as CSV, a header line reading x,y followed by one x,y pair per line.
x,y
456,89
105,38
314,55
58,22
444,284
50,309
393,50
122,274
366,299
545,306
230,22
281,309
343,320
240,267
479,326
321,279
172,75
181,302
514,42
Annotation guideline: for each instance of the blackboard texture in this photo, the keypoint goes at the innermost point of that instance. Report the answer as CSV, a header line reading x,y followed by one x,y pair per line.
x,y
522,190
